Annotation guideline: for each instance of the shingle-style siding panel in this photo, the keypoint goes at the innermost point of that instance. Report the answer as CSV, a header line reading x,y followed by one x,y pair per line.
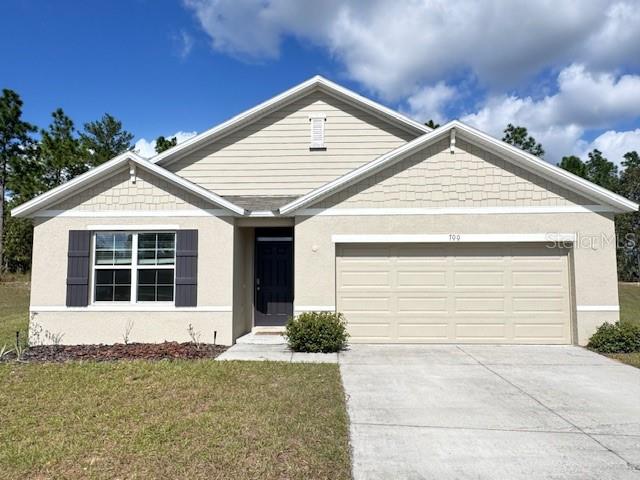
x,y
436,178
272,155
118,193
186,268
78,268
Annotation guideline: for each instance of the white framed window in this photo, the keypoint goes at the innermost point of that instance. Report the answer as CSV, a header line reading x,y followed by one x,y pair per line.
x,y
133,267
317,122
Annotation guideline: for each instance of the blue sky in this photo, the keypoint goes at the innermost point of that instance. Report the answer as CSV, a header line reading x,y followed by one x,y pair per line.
x,y
570,73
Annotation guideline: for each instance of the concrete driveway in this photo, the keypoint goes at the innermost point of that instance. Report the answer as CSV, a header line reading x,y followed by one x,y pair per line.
x,y
491,412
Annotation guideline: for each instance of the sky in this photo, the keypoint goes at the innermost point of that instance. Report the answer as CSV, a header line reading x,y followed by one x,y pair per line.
x,y
567,70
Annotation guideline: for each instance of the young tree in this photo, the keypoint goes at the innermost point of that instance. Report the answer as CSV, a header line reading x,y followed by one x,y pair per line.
x,y
574,165
519,137
15,144
163,143
61,153
432,124
105,139
601,171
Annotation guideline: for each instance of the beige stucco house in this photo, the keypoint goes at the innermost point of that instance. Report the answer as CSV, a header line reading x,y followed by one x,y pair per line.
x,y
321,200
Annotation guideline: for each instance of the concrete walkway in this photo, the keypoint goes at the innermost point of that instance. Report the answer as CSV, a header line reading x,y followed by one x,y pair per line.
x,y
491,412
274,352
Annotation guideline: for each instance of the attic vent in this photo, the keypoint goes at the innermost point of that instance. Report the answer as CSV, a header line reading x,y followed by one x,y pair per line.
x,y
317,131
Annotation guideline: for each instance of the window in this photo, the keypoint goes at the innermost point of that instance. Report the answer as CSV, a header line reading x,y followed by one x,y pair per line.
x,y
317,131
134,267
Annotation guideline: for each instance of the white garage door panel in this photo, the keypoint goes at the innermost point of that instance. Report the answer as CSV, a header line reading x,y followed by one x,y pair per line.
x,y
448,293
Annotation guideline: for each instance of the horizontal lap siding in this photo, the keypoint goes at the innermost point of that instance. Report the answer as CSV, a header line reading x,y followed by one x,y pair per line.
x,y
271,156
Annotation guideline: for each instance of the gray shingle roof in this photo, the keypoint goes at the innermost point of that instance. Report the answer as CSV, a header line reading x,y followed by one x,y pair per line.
x,y
255,203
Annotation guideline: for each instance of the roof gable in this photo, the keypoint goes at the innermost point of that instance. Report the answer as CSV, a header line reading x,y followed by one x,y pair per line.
x,y
273,155
435,179
97,174
450,131
314,84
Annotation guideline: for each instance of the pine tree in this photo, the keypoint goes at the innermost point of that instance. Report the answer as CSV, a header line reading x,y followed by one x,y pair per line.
x,y
574,165
628,224
105,139
15,147
163,143
519,137
601,171
61,153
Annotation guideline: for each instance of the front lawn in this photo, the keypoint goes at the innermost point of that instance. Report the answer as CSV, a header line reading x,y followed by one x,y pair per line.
x,y
14,308
173,419
166,419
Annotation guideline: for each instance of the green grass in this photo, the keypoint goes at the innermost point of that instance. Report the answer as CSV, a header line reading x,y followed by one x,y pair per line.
x,y
167,419
629,294
632,359
173,419
14,308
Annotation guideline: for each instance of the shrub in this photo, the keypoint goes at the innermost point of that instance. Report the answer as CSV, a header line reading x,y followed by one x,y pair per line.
x,y
616,338
317,332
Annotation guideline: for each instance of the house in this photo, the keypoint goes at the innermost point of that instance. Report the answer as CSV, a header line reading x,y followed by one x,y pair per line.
x,y
319,200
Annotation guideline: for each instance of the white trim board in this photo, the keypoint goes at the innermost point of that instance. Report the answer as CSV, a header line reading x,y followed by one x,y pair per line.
x,y
347,212
148,227
456,238
133,213
598,308
128,308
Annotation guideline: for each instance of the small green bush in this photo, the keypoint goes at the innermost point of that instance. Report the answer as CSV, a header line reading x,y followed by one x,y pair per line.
x,y
616,338
317,332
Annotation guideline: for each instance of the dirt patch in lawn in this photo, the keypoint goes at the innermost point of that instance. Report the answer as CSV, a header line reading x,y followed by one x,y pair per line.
x,y
119,351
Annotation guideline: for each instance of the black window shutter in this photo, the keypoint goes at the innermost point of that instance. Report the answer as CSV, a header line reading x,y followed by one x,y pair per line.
x,y
186,268
78,268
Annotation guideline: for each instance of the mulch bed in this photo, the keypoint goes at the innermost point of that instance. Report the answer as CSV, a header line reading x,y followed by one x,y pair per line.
x,y
120,351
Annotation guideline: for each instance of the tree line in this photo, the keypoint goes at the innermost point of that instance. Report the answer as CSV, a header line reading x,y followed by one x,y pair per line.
x,y
34,160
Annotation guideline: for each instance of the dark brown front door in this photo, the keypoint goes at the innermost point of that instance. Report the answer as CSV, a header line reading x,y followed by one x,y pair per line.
x,y
274,276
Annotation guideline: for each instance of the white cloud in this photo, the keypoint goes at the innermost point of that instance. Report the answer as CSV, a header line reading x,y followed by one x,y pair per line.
x,y
615,144
410,52
429,102
395,48
584,101
147,148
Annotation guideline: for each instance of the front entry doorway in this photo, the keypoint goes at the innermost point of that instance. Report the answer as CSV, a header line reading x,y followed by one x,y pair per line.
x,y
273,279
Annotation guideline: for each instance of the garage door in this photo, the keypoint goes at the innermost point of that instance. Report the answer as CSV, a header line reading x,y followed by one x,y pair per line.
x,y
467,293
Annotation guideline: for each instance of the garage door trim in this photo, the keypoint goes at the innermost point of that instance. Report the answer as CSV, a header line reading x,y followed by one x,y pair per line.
x,y
455,237
569,308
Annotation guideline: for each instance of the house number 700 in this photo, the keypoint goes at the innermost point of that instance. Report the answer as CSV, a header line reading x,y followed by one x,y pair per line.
x,y
454,237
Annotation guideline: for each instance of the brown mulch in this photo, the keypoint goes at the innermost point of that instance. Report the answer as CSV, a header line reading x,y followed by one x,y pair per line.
x,y
120,351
